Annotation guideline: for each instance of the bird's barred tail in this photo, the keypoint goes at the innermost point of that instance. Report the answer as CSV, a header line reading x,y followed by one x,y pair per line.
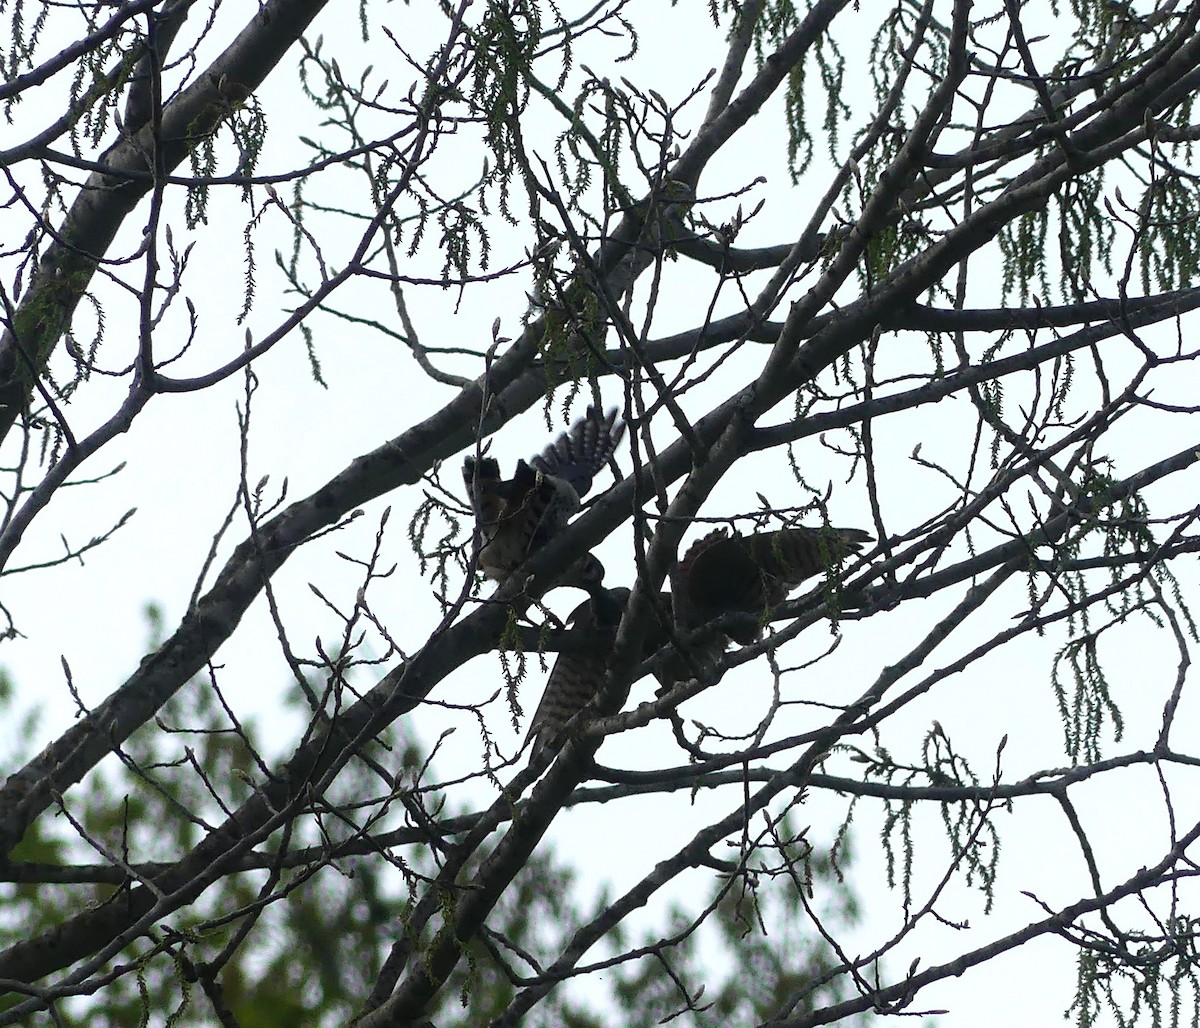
x,y
794,554
578,455
721,574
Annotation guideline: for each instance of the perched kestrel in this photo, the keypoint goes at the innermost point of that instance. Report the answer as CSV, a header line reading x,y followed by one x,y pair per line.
x,y
578,675
720,574
726,574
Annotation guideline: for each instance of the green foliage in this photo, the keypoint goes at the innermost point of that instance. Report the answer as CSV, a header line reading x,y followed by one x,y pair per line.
x,y
296,935
95,92
23,37
574,319
299,942
970,829
1022,249
1151,589
990,402
514,663
459,226
246,125
202,159
780,18
760,952
890,43
832,67
1169,249
438,555
504,50
1152,982
1085,235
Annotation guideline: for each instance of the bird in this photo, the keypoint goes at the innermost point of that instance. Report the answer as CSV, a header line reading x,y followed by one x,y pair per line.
x,y
720,574
578,675
723,573
726,574
518,516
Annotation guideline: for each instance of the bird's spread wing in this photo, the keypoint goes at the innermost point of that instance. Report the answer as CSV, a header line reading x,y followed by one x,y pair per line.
x,y
718,575
725,574
790,555
519,515
577,456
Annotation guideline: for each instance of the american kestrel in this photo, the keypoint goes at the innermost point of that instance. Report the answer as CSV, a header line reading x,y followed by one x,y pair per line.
x,y
743,574
577,676
726,574
719,574
519,515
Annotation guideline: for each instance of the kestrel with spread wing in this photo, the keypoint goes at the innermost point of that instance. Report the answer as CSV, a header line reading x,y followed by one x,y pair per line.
x,y
519,515
720,574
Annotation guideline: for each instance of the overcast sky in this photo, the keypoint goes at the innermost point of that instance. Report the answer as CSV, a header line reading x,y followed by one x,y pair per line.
x,y
181,473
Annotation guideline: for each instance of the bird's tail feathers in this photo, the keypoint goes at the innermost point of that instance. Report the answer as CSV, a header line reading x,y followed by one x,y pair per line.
x,y
577,455
794,554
